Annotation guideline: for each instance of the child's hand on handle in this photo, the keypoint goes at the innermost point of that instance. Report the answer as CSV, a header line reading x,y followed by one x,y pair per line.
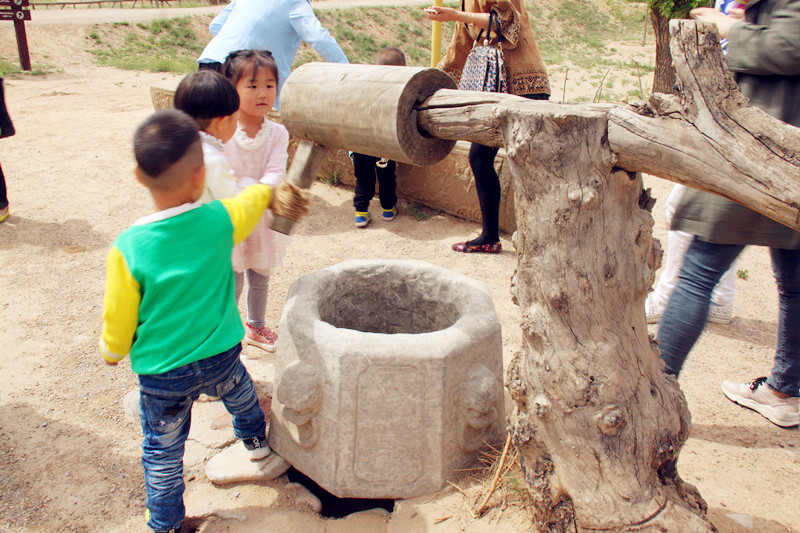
x,y
289,201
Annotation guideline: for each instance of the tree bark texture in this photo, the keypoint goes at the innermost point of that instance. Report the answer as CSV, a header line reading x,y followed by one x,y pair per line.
x,y
598,424
709,137
664,75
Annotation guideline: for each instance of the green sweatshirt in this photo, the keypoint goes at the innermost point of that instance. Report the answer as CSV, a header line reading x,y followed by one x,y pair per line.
x,y
169,285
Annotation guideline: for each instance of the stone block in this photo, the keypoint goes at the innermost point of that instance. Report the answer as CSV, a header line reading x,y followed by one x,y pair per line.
x,y
130,404
232,465
388,377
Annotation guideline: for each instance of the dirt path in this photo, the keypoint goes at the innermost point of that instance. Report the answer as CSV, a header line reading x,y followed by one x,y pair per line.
x,y
69,457
99,16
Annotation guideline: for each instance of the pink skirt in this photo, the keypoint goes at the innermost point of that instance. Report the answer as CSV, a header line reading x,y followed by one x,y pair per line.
x,y
262,250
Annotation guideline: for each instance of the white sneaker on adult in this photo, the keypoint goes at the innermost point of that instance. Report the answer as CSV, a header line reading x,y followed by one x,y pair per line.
x,y
653,309
783,412
721,314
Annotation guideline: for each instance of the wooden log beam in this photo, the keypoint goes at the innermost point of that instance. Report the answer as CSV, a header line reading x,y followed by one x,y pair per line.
x,y
709,138
368,109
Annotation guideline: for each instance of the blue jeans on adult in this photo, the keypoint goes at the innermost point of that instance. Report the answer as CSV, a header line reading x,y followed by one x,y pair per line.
x,y
687,309
166,414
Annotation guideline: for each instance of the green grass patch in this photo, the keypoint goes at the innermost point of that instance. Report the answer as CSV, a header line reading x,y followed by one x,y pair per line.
x,y
163,45
9,69
418,211
363,31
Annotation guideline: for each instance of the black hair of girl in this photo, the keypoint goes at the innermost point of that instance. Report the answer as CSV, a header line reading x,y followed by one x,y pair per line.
x,y
205,95
248,62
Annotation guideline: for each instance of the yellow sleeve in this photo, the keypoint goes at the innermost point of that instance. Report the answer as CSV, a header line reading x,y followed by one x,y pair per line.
x,y
120,308
246,208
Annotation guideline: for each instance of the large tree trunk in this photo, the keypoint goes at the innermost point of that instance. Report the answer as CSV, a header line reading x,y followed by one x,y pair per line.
x,y
664,76
598,424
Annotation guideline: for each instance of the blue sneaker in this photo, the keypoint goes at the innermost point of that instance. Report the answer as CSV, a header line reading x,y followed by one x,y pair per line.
x,y
362,218
389,214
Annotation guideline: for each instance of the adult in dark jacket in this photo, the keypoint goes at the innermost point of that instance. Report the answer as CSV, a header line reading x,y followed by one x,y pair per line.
x,y
764,55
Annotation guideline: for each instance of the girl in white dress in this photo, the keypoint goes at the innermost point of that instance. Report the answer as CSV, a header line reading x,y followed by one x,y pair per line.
x,y
258,149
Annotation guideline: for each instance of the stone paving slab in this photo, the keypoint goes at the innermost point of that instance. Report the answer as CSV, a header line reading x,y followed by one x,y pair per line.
x,y
232,465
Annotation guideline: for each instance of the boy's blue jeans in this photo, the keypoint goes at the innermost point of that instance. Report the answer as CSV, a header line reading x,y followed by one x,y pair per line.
x,y
687,309
166,413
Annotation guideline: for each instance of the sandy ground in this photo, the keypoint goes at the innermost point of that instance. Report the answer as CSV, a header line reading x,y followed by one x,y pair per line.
x,y
69,458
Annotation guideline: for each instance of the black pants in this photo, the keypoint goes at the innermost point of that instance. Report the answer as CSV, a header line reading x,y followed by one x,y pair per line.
x,y
366,171
487,185
3,193
6,130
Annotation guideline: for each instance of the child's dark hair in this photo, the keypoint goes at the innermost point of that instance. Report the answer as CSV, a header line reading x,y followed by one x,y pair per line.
x,y
205,95
164,139
243,63
391,55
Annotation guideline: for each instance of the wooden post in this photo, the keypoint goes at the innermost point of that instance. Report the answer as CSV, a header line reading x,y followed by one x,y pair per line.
x,y
436,39
19,16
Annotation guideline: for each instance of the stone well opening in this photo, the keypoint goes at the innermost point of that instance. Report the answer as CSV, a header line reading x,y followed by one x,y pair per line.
x,y
385,303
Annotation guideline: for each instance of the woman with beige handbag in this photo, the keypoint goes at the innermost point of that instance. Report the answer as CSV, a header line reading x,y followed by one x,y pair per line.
x,y
525,76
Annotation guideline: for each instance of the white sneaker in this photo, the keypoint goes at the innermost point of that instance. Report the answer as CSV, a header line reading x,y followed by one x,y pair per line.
x,y
257,448
784,412
653,309
721,314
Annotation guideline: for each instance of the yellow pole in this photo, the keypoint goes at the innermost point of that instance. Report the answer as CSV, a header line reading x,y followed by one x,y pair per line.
x,y
436,39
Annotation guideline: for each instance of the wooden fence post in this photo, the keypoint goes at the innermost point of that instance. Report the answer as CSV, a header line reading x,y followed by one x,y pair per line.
x,y
13,10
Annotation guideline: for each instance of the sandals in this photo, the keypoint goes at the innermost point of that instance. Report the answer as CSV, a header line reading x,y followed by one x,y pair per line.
x,y
491,248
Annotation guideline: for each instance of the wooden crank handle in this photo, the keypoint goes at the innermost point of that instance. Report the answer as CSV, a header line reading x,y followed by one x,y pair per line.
x,y
308,159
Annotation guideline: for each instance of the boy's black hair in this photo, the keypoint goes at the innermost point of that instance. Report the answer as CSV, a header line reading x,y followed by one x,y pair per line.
x,y
162,140
391,55
243,62
205,95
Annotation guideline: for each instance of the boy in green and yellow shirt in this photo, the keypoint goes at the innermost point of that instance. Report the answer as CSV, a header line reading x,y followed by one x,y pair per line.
x,y
170,304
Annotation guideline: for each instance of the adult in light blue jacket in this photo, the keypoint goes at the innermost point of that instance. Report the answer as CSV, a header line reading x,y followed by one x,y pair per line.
x,y
274,25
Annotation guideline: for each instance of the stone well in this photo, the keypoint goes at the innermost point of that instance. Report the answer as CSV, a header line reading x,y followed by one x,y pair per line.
x,y
388,377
